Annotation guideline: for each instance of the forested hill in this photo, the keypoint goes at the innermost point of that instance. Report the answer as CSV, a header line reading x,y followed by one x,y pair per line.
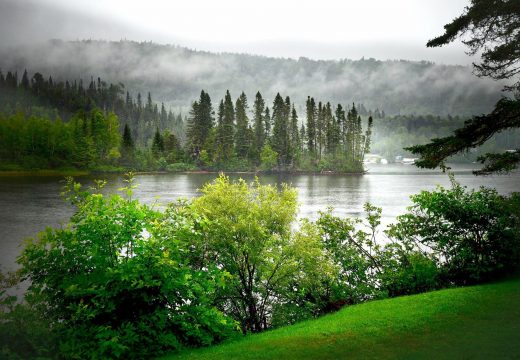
x,y
176,75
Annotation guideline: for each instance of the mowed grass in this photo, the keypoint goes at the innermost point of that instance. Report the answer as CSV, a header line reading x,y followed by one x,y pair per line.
x,y
478,322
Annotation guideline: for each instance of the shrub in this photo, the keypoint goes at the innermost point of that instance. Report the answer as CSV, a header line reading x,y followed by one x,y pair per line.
x,y
473,235
114,283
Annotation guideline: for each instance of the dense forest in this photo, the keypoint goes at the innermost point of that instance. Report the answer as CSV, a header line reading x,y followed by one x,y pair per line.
x,y
97,126
46,123
176,75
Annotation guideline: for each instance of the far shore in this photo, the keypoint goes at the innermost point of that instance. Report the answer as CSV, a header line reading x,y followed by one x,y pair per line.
x,y
73,172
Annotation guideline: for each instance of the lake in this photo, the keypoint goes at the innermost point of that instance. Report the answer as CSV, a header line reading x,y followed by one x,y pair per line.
x,y
29,204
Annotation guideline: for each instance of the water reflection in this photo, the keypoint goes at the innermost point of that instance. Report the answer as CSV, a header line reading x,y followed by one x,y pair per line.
x,y
28,204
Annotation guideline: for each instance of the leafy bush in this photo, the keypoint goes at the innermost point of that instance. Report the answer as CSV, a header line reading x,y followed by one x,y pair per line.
x,y
113,284
473,235
407,271
268,158
251,238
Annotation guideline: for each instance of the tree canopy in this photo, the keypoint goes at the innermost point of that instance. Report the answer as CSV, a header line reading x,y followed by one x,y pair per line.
x,y
491,27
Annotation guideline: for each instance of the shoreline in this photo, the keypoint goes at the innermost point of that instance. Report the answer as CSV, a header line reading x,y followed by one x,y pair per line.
x,y
61,173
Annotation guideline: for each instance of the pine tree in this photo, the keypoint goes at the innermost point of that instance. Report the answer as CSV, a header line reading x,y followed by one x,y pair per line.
x,y
163,119
228,125
267,122
259,125
280,138
128,142
295,146
200,123
157,144
320,130
242,123
311,125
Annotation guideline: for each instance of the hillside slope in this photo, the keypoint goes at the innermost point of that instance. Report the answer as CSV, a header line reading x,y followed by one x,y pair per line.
x,y
480,322
175,75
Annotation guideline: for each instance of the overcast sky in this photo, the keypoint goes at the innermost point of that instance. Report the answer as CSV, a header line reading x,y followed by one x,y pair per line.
x,y
319,29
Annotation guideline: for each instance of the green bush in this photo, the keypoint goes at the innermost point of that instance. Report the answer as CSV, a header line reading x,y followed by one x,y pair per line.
x,y
114,284
407,272
473,235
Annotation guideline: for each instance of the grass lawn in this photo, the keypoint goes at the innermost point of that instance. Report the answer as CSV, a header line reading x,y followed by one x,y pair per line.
x,y
478,322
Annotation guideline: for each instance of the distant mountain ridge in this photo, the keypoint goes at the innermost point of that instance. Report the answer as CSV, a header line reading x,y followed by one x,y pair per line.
x,y
175,75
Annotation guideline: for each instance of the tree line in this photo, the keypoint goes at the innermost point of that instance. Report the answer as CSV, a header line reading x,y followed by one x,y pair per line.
x,y
143,116
275,137
234,137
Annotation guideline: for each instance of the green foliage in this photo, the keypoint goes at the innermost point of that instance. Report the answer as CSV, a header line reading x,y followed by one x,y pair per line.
x,y
473,235
494,34
268,158
114,284
24,333
249,238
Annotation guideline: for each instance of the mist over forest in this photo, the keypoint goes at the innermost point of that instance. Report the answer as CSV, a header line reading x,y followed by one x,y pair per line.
x,y
175,75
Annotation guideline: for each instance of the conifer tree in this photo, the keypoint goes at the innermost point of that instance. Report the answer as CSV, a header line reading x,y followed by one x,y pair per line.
x,y
258,124
295,145
128,142
280,138
157,144
242,123
200,123
228,125
311,125
320,130
267,122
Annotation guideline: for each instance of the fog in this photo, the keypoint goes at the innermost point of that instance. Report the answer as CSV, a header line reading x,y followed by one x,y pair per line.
x,y
176,75
251,49
330,29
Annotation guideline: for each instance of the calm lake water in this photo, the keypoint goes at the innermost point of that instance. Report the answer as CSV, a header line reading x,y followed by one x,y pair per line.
x,y
29,204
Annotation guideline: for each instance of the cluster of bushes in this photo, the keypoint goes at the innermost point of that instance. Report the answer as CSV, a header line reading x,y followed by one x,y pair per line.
x,y
124,280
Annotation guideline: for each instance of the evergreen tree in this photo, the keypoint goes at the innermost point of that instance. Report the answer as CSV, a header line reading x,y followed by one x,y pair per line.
x,y
267,122
157,144
320,130
311,125
259,125
128,142
200,123
280,138
225,133
242,124
220,136
295,146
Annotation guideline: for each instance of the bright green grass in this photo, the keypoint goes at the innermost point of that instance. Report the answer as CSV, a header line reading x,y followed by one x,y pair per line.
x,y
479,322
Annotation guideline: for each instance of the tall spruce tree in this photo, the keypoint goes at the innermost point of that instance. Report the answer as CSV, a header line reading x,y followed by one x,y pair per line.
x,y
228,127
200,123
280,138
295,146
157,144
242,123
258,125
311,125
